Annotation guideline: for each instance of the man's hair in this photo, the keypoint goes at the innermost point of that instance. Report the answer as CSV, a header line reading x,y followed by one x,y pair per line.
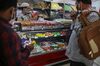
x,y
6,4
85,1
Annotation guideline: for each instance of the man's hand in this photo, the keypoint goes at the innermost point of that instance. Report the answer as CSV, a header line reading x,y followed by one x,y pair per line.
x,y
31,46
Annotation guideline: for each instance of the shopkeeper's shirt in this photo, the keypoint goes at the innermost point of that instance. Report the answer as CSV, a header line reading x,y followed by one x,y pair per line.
x,y
11,51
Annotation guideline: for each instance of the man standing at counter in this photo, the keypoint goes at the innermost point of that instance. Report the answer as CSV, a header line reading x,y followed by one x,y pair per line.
x,y
11,51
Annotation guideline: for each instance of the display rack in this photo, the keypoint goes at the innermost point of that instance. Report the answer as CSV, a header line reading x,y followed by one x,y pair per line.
x,y
49,44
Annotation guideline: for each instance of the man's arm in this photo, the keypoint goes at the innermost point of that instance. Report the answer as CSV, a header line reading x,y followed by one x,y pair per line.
x,y
12,53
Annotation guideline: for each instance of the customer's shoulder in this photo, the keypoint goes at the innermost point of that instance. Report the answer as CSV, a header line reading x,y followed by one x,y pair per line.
x,y
93,16
6,30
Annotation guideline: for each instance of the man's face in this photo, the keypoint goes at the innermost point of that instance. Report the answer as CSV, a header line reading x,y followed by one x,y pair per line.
x,y
78,6
11,13
8,14
81,6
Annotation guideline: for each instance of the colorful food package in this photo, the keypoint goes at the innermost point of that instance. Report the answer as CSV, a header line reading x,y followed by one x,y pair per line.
x,y
40,35
37,49
49,34
54,46
46,46
56,34
61,44
63,33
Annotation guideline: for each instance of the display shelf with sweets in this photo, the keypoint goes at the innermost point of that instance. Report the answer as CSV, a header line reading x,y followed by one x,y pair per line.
x,y
49,44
